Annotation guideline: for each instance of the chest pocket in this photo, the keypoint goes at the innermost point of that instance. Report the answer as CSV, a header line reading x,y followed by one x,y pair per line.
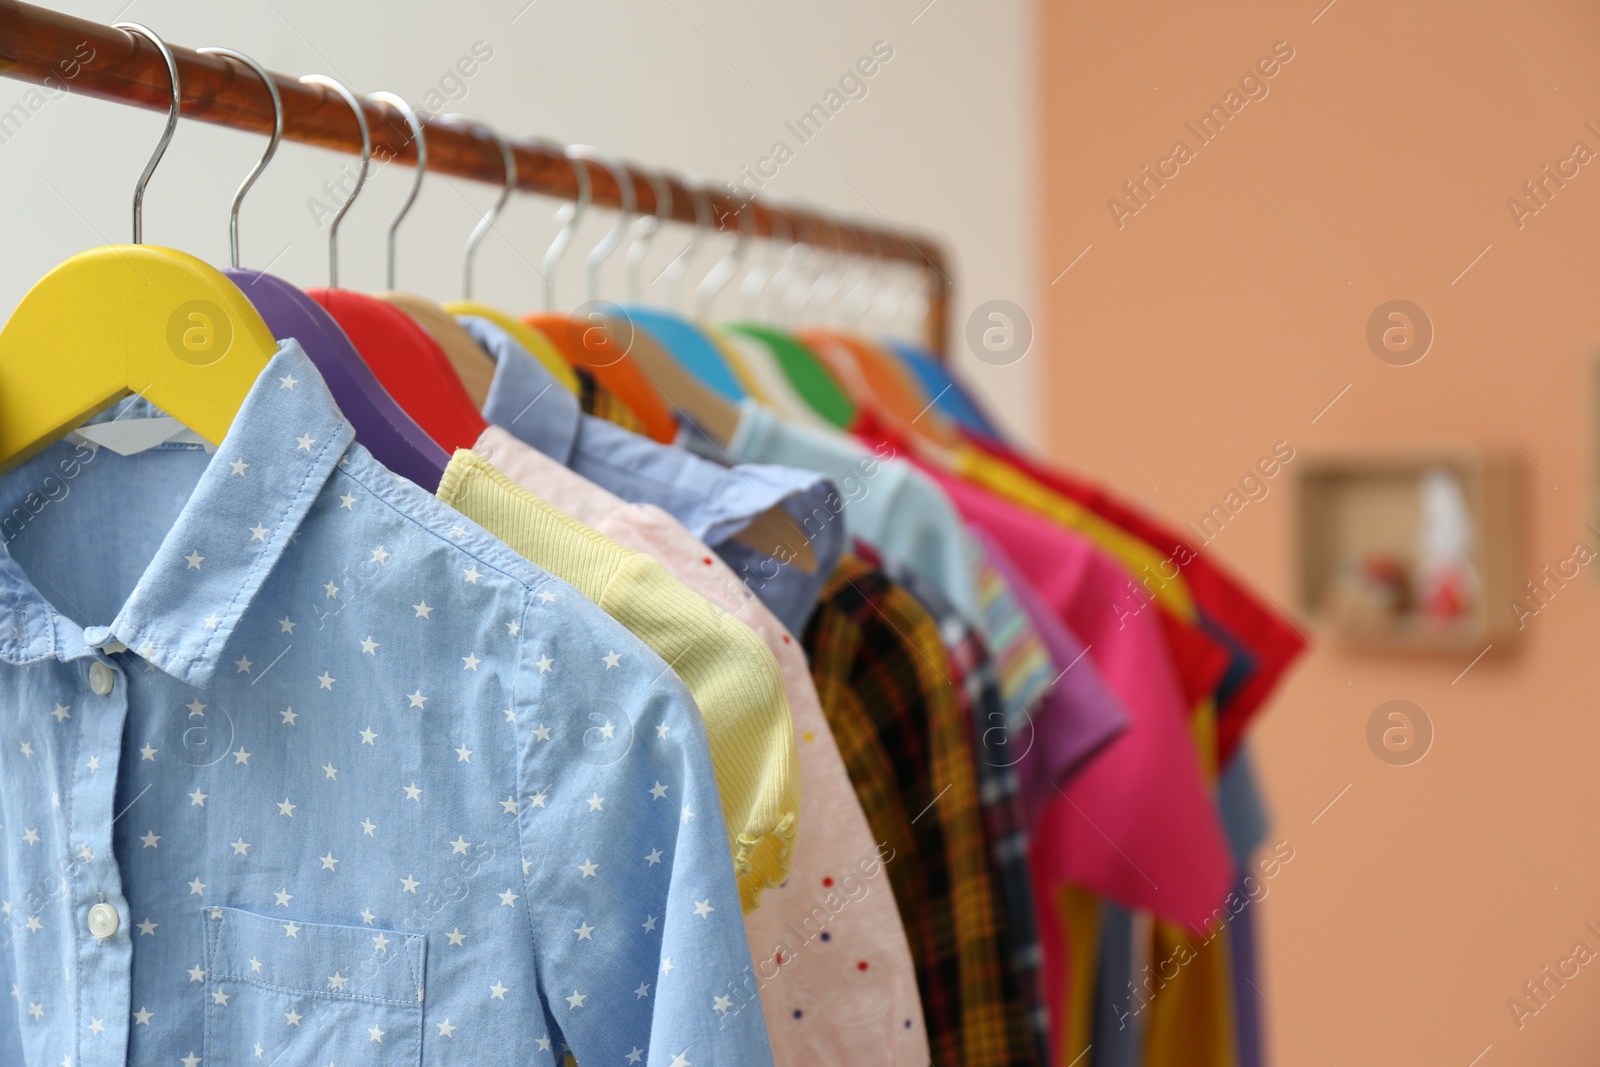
x,y
286,992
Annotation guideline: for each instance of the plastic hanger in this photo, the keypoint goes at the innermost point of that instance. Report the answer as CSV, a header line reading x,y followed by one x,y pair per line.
x,y
847,369
471,367
756,355
888,363
404,357
585,338
811,378
774,528
380,424
537,344
951,395
676,334
711,412
844,368
878,362
123,319
705,295
876,379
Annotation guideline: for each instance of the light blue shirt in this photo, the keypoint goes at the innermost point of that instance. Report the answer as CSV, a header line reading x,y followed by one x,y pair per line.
x,y
713,502
298,765
885,500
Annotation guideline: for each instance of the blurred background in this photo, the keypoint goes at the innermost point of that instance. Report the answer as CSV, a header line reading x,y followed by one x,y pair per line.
x,y
1375,257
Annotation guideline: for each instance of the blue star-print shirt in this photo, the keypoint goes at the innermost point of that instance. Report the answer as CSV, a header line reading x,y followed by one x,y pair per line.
x,y
298,766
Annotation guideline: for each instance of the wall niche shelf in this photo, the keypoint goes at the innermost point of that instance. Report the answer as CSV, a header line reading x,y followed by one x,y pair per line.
x,y
1365,575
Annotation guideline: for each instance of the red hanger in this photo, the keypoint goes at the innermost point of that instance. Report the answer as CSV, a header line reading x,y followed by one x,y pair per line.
x,y
409,363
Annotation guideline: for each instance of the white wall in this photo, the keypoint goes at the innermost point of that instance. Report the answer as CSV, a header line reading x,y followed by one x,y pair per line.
x,y
941,141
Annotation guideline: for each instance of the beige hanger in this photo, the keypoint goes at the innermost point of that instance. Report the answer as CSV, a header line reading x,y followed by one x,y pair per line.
x,y
472,364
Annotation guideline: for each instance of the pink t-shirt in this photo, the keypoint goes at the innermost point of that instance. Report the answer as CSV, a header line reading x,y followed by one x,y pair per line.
x,y
821,1004
1138,825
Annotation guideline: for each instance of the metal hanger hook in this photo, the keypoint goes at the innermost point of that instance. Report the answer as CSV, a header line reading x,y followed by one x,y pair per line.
x,y
826,284
266,157
508,161
166,134
680,263
409,113
883,312
644,228
325,82
853,306
798,293
722,273
762,274
857,269
607,244
796,262
916,299
569,215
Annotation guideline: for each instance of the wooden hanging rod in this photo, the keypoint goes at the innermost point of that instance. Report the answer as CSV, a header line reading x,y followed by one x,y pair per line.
x,y
48,48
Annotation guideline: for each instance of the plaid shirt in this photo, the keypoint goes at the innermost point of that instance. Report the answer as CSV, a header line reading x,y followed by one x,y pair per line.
x,y
975,676
886,686
600,402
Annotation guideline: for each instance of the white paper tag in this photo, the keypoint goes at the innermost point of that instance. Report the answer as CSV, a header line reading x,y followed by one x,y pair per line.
x,y
127,437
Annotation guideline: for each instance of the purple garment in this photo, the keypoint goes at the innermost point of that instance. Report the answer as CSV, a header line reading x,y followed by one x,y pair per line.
x,y
1244,816
1078,715
1246,998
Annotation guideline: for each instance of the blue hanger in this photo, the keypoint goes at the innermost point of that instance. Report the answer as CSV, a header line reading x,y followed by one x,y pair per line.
x,y
953,398
677,333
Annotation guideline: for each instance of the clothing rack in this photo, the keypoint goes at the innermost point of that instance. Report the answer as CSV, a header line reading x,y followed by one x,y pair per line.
x,y
37,45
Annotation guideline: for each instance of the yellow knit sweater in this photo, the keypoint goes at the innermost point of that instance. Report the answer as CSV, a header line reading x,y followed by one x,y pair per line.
x,y
729,671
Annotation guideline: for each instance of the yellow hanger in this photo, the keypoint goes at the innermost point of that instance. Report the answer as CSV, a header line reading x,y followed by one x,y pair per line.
x,y
129,319
529,337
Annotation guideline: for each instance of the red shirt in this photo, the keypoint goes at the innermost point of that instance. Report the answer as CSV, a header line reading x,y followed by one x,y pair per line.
x,y
1266,637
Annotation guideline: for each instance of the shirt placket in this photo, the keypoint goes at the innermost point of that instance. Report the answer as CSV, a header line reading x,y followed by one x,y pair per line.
x,y
101,982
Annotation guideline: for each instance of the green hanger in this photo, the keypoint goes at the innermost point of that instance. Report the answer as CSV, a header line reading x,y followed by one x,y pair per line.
x,y
805,371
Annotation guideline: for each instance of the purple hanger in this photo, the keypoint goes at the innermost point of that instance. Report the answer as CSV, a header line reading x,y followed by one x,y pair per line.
x,y
381,425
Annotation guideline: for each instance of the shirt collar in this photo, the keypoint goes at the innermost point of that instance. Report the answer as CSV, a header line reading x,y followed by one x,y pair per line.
x,y
713,502
524,397
246,508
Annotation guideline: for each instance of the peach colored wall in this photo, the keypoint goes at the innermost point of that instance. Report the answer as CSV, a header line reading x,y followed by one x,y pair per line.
x,y
1224,316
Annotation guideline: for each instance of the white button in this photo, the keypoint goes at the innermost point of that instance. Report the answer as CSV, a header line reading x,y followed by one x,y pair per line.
x,y
101,678
103,921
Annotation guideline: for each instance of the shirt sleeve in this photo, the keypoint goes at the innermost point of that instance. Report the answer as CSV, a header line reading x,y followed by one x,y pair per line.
x,y
637,932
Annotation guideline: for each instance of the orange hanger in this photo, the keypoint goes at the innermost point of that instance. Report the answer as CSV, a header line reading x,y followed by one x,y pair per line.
x,y
885,387
587,340
588,344
890,390
774,532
